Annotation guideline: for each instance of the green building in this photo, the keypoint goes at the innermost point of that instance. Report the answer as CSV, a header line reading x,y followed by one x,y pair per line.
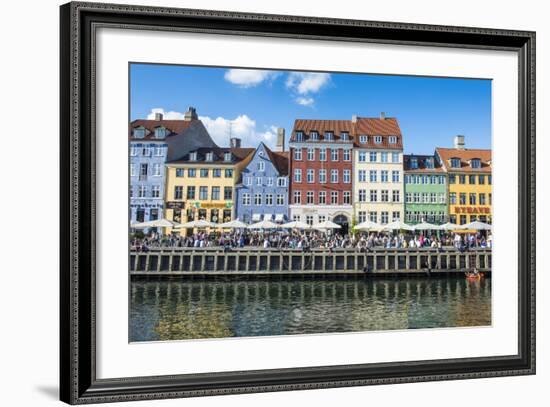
x,y
425,190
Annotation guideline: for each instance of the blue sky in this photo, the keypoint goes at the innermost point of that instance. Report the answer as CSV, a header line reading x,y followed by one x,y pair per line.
x,y
253,103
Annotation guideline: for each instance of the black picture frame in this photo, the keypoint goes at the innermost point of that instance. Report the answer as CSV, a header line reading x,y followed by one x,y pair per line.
x,y
78,382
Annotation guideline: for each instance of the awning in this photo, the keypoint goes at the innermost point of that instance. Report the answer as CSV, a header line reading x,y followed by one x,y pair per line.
x,y
256,217
279,217
268,216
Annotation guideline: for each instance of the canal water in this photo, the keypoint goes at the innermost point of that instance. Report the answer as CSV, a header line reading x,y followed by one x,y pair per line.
x,y
175,309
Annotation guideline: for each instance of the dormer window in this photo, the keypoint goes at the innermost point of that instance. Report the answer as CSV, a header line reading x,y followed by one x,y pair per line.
x,y
299,136
193,156
160,132
210,156
314,136
329,136
475,163
429,162
393,139
139,132
414,163
227,157
345,136
455,162
378,139
363,139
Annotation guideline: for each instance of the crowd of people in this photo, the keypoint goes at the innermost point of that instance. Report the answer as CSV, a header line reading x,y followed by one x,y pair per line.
x,y
313,240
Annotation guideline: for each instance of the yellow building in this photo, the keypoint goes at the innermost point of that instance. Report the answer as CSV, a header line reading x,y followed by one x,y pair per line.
x,y
470,182
201,185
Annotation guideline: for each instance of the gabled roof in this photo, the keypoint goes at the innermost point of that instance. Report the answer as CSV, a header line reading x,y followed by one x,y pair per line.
x,y
465,155
421,159
238,154
279,160
173,127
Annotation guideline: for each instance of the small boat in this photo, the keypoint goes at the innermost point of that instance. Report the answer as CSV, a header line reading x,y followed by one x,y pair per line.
x,y
473,275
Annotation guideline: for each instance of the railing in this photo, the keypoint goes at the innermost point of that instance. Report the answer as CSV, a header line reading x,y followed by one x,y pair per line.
x,y
192,261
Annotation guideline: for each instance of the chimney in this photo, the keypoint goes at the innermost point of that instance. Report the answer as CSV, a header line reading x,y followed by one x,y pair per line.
x,y
280,139
382,115
191,114
158,116
459,142
354,118
235,142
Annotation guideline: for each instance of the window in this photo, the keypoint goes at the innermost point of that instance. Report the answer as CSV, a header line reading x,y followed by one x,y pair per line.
x,y
414,163
310,154
180,172
395,195
297,197
416,197
298,154
345,136
334,176
160,132
393,139
395,176
442,198
322,154
146,152
155,191
280,199
299,136
372,156
482,200
490,199
269,199
347,176
269,181
408,197
133,170
452,198
362,156
452,179
462,219
191,172
322,176
190,192
217,172
363,139
298,175
159,150
372,176
475,163
373,195
395,216
481,179
383,176
394,157
362,175
142,191
259,181
143,170
462,179
384,196
384,217
309,219
429,162
227,193
204,173
257,199
133,151
246,199
472,179
472,198
193,156
215,194
329,136
309,197
281,182
334,197
362,216
362,195
347,197
322,197
261,166
377,139
139,132
347,155
384,156
334,154
425,179
248,181
227,156
210,156
489,179
433,179
310,176
455,162
314,135
203,193
425,197
462,198
433,197
442,179
373,216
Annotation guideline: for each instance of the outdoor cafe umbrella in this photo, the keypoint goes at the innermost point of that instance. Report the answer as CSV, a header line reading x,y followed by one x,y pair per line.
x,y
397,225
157,223
476,225
234,224
367,225
426,226
264,224
296,225
449,226
201,223
327,224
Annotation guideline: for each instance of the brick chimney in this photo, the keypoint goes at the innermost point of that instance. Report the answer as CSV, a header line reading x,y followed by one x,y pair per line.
x,y
191,114
280,139
354,118
382,115
459,142
235,142
158,117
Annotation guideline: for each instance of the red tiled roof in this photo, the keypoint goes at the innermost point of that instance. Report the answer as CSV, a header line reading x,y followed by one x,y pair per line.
x,y
173,126
465,155
279,160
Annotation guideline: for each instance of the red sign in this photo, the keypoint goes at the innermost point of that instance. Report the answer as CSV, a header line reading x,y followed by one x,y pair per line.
x,y
472,209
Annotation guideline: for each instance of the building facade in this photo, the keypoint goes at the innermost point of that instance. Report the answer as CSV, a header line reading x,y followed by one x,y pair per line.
x,y
263,190
320,172
152,143
469,174
378,170
201,184
425,190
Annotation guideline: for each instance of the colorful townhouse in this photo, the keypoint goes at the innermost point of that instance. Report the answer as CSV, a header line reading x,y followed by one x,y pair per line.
x,y
152,143
320,171
201,184
263,191
469,182
425,190
378,169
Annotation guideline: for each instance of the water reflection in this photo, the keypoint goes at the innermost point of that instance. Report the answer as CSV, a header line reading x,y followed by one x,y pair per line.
x,y
170,310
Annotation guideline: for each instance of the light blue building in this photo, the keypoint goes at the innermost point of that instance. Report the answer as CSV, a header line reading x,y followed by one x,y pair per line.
x,y
263,191
152,143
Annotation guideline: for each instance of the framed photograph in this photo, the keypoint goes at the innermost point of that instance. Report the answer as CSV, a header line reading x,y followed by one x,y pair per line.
x,y
254,203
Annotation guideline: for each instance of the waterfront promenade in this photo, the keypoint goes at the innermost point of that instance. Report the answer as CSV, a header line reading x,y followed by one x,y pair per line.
x,y
206,262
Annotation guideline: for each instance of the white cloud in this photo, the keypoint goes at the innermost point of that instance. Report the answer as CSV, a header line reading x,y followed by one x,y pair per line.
x,y
304,101
247,78
304,83
171,115
242,127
